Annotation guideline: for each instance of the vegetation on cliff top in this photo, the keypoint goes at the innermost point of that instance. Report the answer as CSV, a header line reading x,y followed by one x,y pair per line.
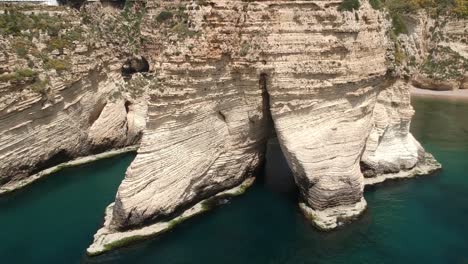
x,y
349,5
457,8
444,63
176,21
37,39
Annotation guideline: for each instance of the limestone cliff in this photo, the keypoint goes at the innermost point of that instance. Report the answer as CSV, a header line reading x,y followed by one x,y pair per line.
x,y
207,82
61,93
225,66
433,52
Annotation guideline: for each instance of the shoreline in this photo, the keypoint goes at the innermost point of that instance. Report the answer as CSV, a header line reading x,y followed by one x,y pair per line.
x,y
69,164
455,95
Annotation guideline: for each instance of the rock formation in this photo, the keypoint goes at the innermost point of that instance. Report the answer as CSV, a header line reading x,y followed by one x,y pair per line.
x,y
434,51
225,67
207,82
58,104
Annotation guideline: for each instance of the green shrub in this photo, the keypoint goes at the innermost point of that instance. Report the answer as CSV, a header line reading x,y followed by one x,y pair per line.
x,y
26,73
40,86
21,46
401,6
444,63
398,25
57,43
349,5
376,4
182,30
461,8
19,75
164,15
14,23
57,64
244,50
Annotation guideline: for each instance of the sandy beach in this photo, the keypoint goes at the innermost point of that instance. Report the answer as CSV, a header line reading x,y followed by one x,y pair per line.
x,y
452,95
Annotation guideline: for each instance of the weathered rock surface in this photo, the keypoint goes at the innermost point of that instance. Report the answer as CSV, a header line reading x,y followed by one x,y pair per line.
x,y
423,82
390,146
67,105
34,136
224,67
212,80
434,52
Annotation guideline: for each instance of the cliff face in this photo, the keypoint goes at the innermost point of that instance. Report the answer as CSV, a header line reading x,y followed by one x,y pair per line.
x,y
60,94
219,77
434,51
225,67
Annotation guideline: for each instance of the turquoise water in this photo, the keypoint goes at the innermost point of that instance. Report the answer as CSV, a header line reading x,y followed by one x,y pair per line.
x,y
424,220
53,220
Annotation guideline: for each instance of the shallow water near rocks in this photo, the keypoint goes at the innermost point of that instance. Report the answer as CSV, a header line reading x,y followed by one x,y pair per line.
x,y
416,221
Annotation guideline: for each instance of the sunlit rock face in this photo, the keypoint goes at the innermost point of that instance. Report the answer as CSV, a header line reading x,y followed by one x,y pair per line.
x,y
223,69
206,86
79,120
60,99
391,147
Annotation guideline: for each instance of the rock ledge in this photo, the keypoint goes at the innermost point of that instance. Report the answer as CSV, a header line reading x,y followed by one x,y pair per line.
x,y
334,217
426,166
107,239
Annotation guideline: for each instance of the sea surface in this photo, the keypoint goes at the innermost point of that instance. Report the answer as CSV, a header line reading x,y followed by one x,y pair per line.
x,y
423,220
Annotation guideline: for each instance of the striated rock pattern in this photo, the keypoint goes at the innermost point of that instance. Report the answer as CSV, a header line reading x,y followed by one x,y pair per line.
x,y
63,104
390,146
82,119
225,66
201,85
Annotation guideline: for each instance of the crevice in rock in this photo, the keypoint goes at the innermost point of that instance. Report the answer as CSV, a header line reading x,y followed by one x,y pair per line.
x,y
222,116
127,106
367,170
275,172
263,83
117,4
98,108
72,3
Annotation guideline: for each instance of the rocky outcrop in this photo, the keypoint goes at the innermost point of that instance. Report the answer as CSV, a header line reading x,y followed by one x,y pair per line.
x,y
207,82
227,71
56,105
423,82
434,51
390,146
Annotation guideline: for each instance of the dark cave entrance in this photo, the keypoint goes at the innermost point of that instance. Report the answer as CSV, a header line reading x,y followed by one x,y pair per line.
x,y
134,65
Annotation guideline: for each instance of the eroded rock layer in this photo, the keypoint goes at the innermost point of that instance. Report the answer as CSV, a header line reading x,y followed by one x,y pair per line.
x,y
223,68
390,146
59,99
207,82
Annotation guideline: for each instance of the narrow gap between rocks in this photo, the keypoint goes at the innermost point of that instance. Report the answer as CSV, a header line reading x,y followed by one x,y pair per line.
x,y
275,173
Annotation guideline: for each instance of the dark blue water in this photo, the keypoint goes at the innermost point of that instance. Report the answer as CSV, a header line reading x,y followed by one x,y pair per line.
x,y
424,220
